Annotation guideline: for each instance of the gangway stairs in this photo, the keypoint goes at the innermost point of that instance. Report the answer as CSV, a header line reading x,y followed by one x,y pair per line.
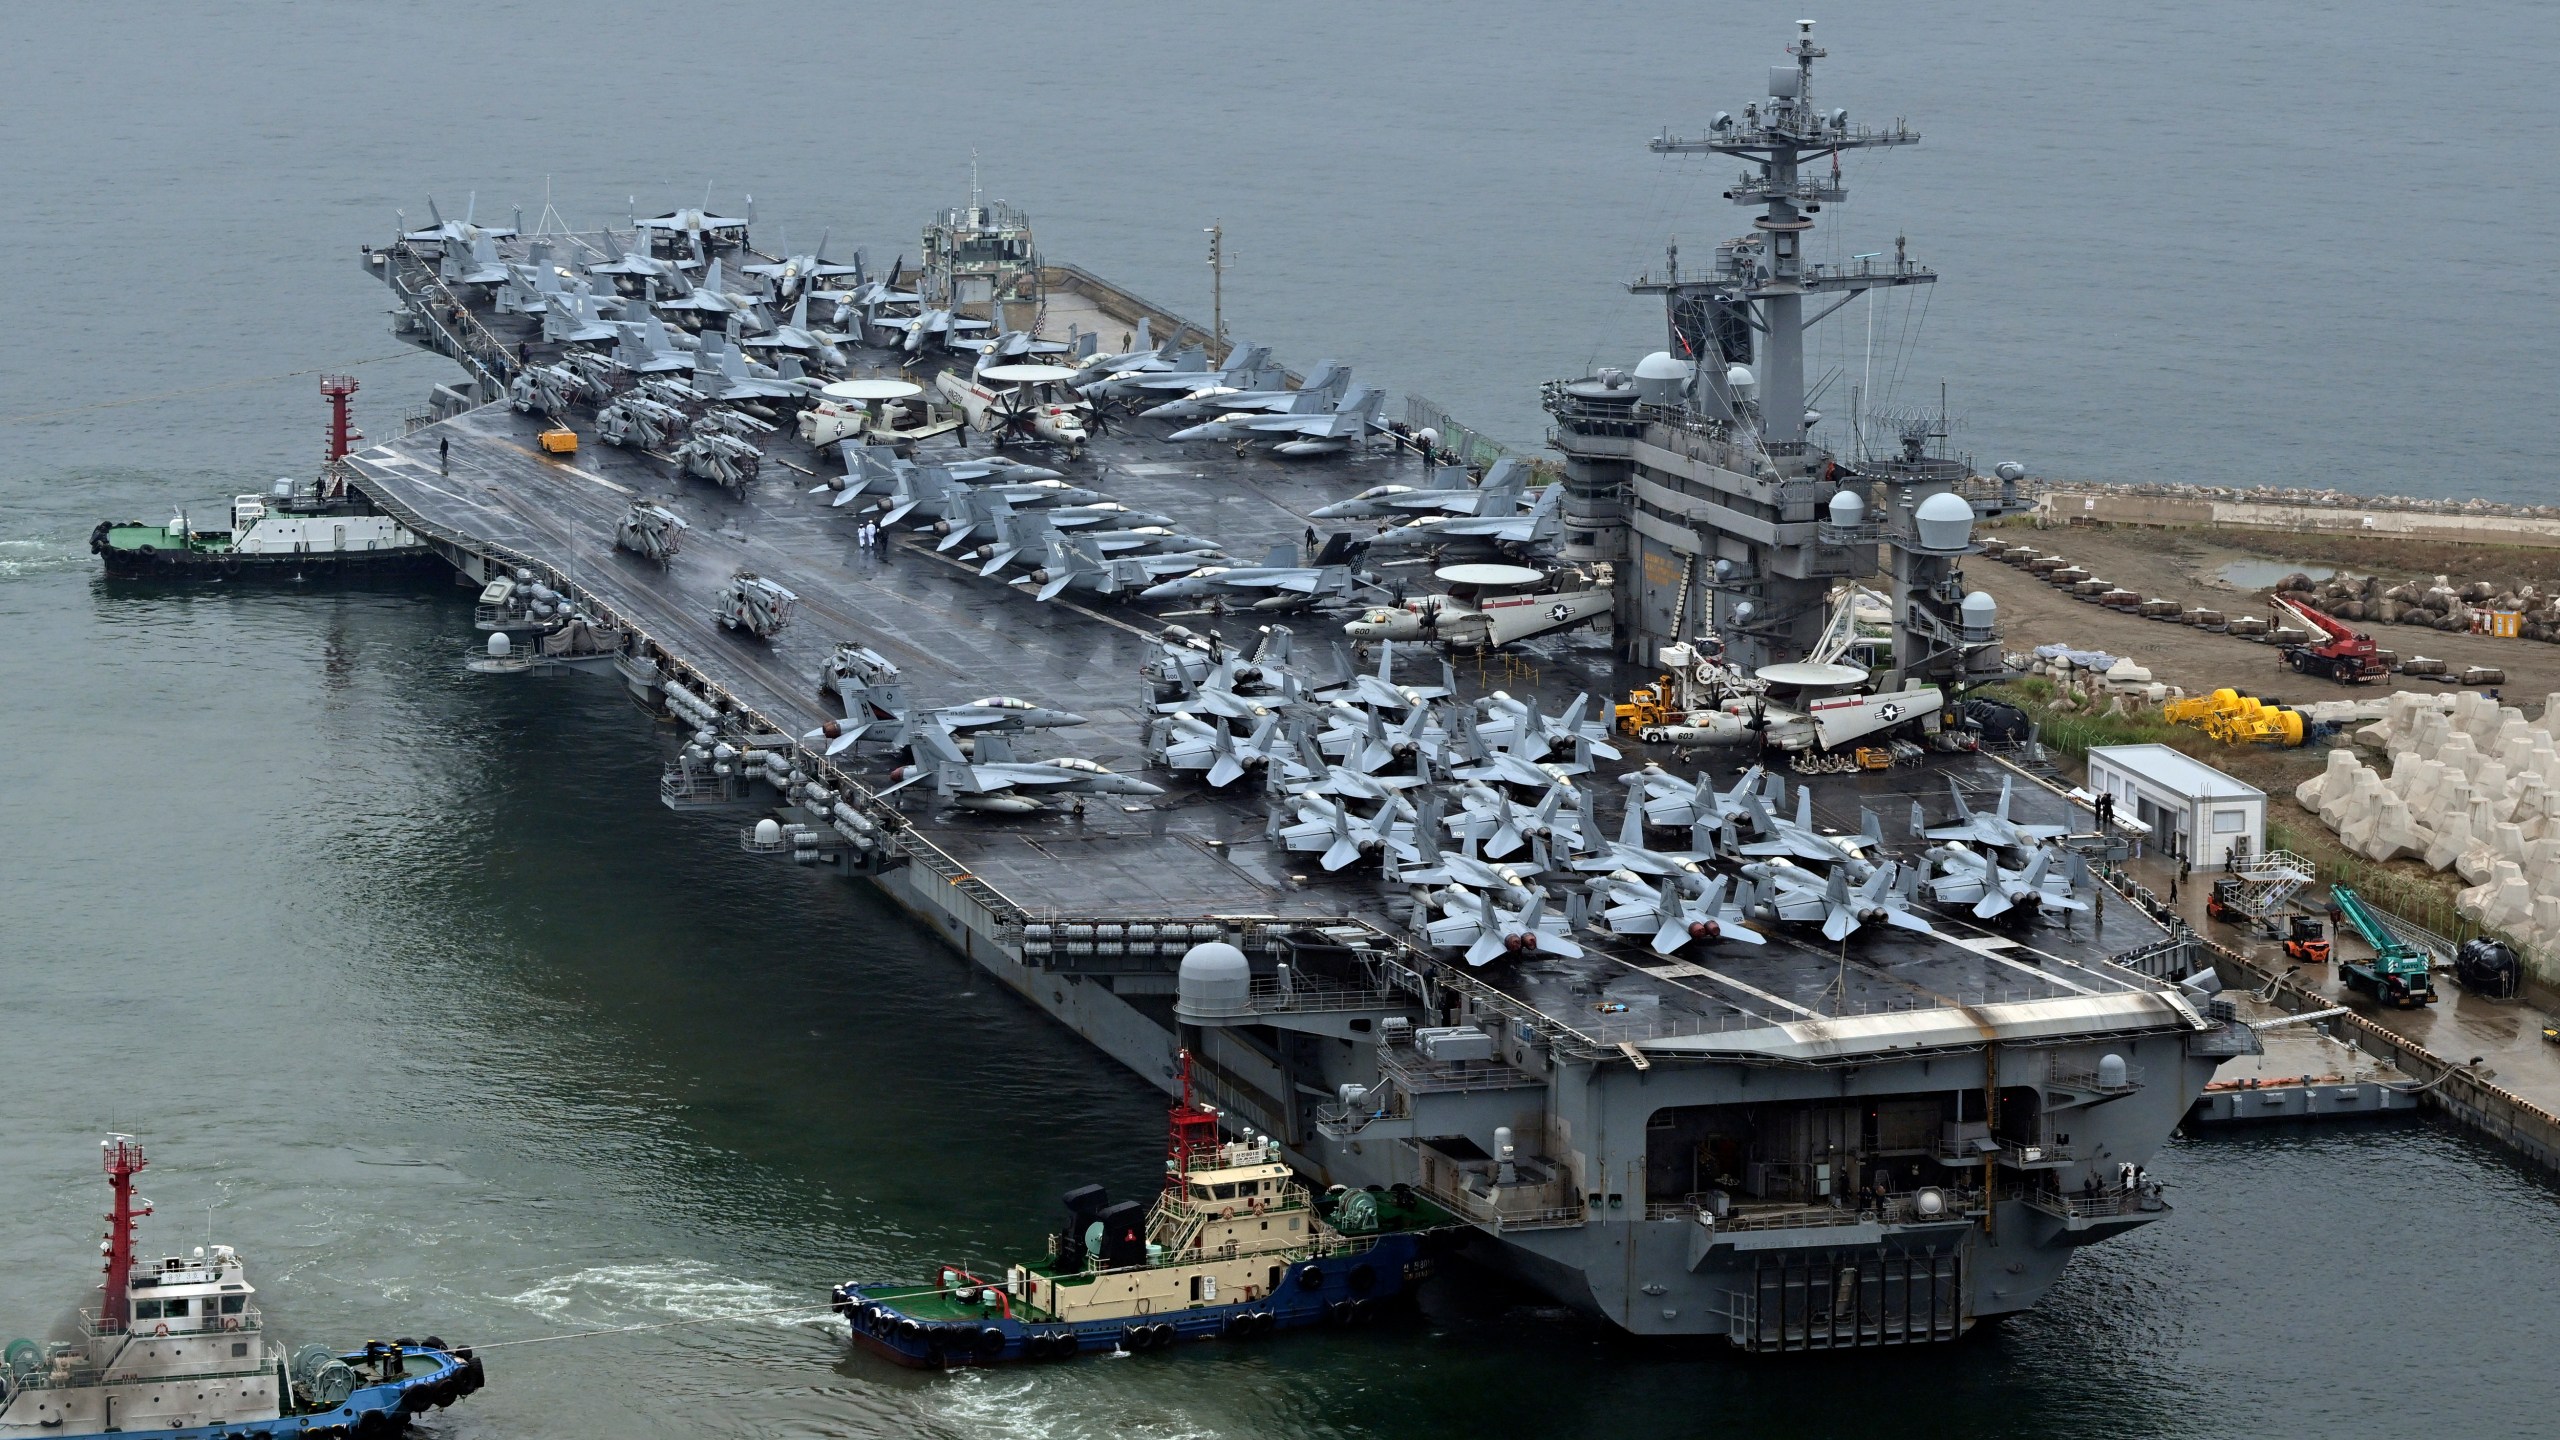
x,y
2268,882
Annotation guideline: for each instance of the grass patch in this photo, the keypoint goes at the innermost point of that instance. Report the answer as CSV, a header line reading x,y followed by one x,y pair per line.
x,y
2073,732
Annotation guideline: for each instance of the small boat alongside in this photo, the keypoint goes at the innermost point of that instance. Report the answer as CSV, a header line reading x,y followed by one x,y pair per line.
x,y
295,533
179,1350
1233,1248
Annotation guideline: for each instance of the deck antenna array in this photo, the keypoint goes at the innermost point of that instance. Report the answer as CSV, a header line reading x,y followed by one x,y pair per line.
x,y
1217,234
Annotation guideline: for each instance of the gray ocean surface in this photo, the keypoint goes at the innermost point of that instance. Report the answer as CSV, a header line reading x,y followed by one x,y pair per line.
x,y
407,979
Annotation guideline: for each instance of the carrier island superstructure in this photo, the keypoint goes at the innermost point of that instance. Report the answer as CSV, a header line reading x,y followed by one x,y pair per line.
x,y
1794,1145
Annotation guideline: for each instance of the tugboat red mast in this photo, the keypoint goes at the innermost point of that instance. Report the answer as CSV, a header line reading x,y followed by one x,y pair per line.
x,y
124,1160
1194,1130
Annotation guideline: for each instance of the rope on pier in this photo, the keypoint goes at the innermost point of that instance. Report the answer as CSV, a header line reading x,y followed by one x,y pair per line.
x,y
200,389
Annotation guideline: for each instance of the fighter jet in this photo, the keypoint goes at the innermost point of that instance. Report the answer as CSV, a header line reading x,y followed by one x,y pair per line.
x,y
573,316
792,275
645,346
1511,767
996,782
1677,804
928,491
1343,835
876,709
1512,884
1148,356
1797,839
911,333
1278,583
1365,742
1540,524
475,263
723,373
1330,432
1486,932
694,221
1447,494
1012,346
796,334
1317,396
1245,361
1684,908
642,267
1075,563
1995,830
1973,877
1629,853
1490,819
457,232
1884,897
710,297
1380,691
1186,742
1519,727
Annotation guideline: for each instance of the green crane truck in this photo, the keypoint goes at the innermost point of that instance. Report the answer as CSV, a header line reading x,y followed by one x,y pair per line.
x,y
2397,973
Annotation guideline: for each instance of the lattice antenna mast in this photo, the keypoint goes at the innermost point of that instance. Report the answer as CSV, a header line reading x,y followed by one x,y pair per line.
x,y
123,1157
1764,283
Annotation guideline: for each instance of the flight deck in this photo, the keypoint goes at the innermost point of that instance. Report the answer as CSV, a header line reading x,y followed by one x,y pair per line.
x,y
481,483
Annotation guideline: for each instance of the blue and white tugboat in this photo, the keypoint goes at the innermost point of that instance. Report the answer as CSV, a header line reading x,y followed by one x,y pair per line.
x,y
1234,1248
177,1350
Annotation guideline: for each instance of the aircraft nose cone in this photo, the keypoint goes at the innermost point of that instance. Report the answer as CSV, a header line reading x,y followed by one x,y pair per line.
x,y
1188,432
1066,717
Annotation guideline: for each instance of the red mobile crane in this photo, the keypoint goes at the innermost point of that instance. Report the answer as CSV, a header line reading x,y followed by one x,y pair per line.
x,y
2345,655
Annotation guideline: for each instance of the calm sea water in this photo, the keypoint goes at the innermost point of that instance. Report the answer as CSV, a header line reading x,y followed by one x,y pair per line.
x,y
410,982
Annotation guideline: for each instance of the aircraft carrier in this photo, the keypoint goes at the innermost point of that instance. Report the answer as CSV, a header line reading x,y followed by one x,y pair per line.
x,y
1795,1145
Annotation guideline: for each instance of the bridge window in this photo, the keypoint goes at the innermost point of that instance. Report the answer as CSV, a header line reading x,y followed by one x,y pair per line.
x,y
148,1309
234,1304
174,1308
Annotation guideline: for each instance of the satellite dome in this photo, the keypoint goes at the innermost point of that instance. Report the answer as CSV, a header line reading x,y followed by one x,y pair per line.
x,y
1660,377
1979,616
1214,983
1739,379
1945,523
499,645
768,831
2011,471
1848,510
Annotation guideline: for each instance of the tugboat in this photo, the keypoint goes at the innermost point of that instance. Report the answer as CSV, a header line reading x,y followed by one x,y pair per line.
x,y
1234,1248
178,1351
301,530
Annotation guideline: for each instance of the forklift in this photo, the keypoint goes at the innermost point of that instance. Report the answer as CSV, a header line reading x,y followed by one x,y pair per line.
x,y
2224,903
2306,940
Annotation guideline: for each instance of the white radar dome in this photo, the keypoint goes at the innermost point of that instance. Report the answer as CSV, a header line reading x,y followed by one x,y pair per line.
x,y
1660,377
1215,982
1739,379
1979,614
1945,523
1848,510
499,644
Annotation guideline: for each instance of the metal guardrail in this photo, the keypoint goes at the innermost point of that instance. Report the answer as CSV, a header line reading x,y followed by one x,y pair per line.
x,y
1298,997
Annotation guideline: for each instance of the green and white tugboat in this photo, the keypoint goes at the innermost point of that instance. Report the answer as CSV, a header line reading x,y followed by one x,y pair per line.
x,y
178,1350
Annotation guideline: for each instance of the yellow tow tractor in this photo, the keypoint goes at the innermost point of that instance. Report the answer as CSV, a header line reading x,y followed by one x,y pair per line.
x,y
559,440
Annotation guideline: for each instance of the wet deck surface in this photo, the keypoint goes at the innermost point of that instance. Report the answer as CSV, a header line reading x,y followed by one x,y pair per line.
x,y
1193,852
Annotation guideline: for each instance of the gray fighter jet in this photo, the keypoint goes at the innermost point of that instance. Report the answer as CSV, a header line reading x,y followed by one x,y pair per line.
x,y
793,275
876,711
1883,897
1322,391
697,222
1974,877
1312,424
1682,910
1996,829
1279,583
723,373
797,334
645,347
1447,494
1073,562
1540,524
1797,839
1245,364
462,231
1486,932
997,783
